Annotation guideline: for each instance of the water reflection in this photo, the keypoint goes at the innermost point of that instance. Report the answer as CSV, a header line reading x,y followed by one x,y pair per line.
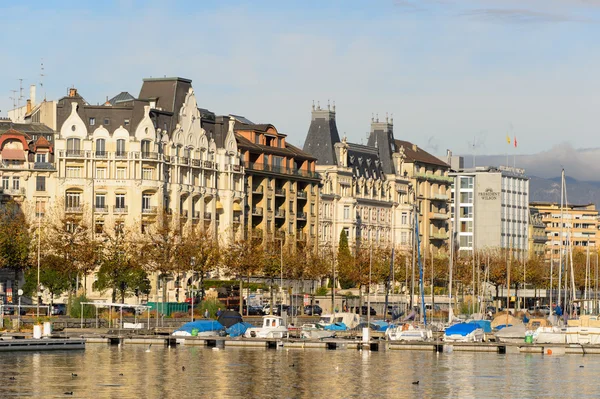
x,y
131,372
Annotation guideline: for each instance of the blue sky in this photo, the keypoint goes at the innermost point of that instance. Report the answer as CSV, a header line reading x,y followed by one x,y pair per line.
x,y
453,73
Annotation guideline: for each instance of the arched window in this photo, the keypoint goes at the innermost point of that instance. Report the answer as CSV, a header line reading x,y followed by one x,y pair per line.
x,y
120,148
146,147
73,146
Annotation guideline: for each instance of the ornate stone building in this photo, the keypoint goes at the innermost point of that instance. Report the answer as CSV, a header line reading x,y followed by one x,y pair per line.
x,y
363,191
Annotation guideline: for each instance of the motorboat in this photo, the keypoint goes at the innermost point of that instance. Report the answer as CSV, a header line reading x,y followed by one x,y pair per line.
x,y
200,328
350,320
464,332
315,331
273,327
408,332
585,330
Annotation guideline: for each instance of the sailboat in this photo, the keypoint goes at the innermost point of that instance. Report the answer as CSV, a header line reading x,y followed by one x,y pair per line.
x,y
412,331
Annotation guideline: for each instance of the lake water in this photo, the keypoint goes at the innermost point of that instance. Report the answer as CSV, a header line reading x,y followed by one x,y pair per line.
x,y
262,373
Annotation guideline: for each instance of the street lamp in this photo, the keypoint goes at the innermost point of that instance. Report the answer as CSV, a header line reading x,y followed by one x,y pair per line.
x,y
193,263
38,293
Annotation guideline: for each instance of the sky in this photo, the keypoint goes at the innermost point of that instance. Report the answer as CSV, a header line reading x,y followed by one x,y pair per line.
x,y
459,75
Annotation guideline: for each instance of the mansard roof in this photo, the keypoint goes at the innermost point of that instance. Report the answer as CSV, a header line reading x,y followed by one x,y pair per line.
x,y
27,128
121,97
415,154
322,136
364,161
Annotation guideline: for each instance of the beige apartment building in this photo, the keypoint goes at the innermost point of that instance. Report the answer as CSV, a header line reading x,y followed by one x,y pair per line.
x,y
363,192
430,194
576,225
537,234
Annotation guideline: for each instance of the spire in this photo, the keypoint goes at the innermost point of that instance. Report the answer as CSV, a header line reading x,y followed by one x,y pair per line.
x,y
322,135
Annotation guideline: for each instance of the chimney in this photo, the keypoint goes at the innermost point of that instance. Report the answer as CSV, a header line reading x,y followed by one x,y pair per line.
x,y
32,95
415,148
72,92
28,106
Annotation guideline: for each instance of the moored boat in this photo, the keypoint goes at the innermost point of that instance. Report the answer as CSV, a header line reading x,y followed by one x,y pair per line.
x,y
273,327
464,332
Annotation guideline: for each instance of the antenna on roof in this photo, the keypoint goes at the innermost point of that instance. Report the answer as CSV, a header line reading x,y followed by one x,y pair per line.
x,y
372,118
328,106
313,106
333,105
42,77
386,117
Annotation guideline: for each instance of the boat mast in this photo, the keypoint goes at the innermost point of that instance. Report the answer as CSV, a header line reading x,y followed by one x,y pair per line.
x,y
450,266
421,287
560,242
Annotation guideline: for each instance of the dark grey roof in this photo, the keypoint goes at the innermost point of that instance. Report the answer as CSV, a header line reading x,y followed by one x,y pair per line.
x,y
28,128
242,119
382,137
415,154
364,161
322,136
121,97
169,94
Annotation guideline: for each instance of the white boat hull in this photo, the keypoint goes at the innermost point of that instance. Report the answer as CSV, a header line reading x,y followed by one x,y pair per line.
x,y
278,332
411,334
474,336
567,335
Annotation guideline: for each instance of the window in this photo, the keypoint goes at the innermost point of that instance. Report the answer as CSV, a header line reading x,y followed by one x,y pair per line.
x,y
16,183
121,173
466,197
92,121
100,173
39,158
404,238
466,182
146,198
100,201
73,146
277,161
126,122
119,227
347,231
120,147
99,227
106,121
279,142
101,147
147,174
145,146
346,212
73,200
73,171
291,228
120,201
40,183
404,218
256,138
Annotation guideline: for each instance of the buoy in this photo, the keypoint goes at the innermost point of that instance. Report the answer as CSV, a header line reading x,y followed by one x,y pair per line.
x,y
549,351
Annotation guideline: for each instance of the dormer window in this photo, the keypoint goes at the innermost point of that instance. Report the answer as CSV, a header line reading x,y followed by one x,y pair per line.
x,y
106,121
256,138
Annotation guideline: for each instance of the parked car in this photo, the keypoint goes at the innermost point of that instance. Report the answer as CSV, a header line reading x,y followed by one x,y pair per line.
x,y
544,309
58,309
364,311
253,311
313,310
10,311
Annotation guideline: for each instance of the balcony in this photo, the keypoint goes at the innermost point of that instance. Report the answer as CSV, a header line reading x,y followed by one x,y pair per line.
x,y
257,211
196,162
302,195
439,197
149,210
74,209
439,216
119,209
279,213
13,191
207,216
280,192
121,155
261,167
101,154
195,215
301,216
209,164
184,160
434,178
73,153
236,219
438,236
101,209
184,213
150,155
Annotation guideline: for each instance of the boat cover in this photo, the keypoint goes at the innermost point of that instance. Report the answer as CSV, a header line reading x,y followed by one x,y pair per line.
x,y
462,329
485,325
336,327
238,329
229,318
201,326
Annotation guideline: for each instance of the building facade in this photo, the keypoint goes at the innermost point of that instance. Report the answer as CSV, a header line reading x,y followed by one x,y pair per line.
x,y
361,192
430,195
537,234
490,209
576,224
281,185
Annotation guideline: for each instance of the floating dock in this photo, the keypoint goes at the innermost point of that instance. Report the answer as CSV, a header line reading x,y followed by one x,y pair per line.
x,y
44,344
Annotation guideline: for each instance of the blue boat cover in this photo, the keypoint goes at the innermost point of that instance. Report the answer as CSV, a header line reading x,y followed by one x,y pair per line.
x,y
336,327
201,326
461,329
501,326
485,325
238,329
380,324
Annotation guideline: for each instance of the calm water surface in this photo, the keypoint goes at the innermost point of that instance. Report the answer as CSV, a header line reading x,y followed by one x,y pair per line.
x,y
261,373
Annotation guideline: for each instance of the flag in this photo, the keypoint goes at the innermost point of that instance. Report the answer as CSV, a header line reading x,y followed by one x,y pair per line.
x,y
515,141
508,139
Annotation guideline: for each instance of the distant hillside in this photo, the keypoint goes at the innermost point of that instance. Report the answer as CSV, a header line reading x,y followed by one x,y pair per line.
x,y
578,192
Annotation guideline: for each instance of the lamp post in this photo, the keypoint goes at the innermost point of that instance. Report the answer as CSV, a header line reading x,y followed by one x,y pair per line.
x,y
38,294
193,263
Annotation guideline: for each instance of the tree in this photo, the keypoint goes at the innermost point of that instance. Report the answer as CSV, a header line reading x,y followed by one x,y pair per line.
x,y
199,253
15,239
345,263
119,269
52,277
243,258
